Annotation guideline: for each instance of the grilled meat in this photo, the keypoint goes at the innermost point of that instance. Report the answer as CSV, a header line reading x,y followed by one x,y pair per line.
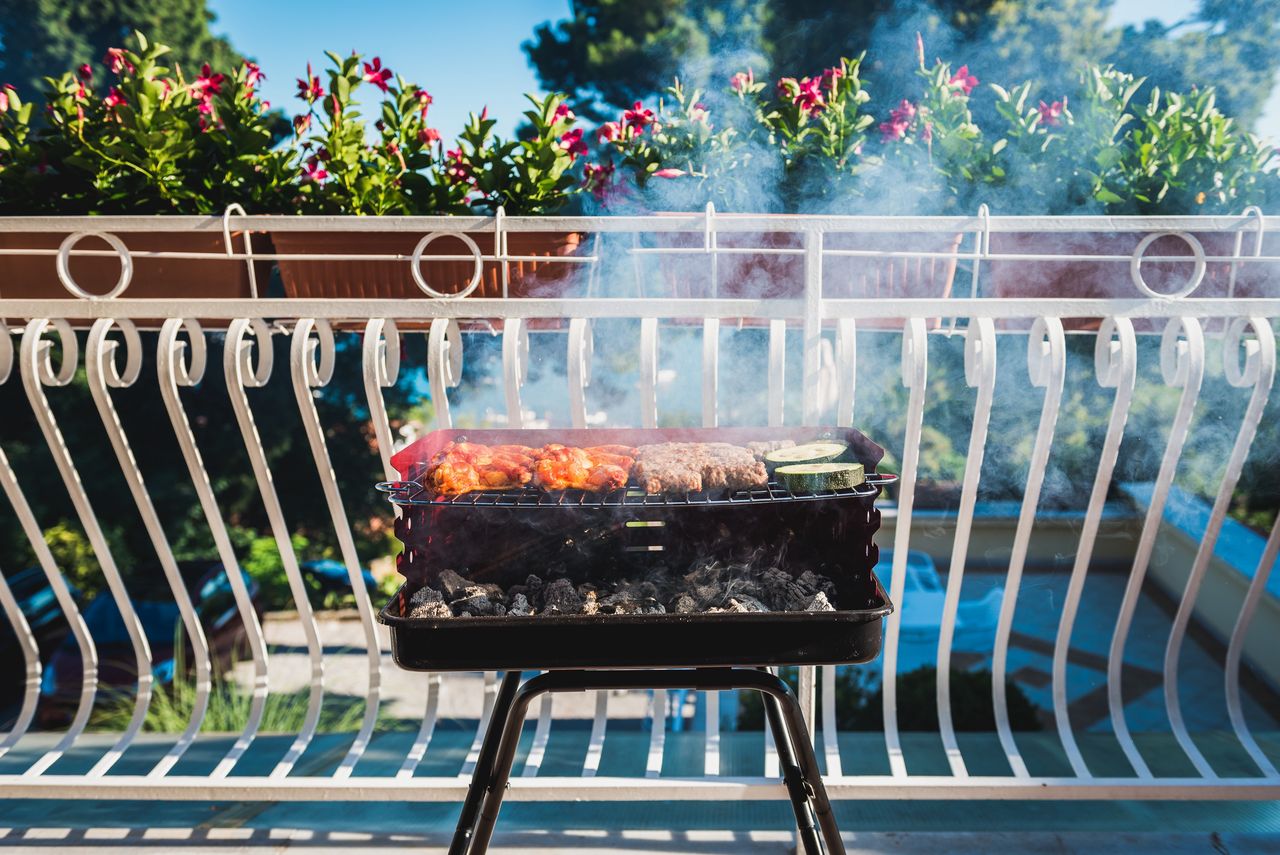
x,y
597,469
462,467
691,467
762,447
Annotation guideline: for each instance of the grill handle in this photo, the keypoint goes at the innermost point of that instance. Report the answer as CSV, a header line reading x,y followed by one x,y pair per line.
x,y
399,490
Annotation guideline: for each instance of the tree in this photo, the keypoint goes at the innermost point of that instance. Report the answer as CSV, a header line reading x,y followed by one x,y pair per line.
x,y
609,53
40,38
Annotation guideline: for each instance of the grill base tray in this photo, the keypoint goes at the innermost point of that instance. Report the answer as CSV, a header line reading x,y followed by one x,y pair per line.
x,y
635,641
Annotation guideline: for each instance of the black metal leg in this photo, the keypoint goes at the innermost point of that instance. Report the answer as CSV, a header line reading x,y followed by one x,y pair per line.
x,y
792,776
789,708
502,738
482,775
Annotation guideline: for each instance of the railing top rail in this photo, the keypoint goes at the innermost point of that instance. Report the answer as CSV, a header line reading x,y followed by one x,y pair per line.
x,y
692,222
620,307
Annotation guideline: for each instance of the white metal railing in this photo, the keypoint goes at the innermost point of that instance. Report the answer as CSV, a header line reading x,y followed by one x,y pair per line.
x,y
40,348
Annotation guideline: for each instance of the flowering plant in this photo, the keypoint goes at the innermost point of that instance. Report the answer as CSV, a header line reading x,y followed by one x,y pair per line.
x,y
157,141
342,168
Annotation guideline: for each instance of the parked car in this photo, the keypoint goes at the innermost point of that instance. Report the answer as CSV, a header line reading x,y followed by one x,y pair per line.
x,y
328,576
214,602
48,624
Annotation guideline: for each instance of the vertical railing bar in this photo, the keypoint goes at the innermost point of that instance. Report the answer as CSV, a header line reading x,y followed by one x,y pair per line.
x,y
915,358
102,371
1235,647
830,731
171,371
1047,365
711,758
710,372
980,373
595,744
420,742
541,733
812,409
37,370
581,349
649,372
444,366
240,373
772,765
1182,364
657,734
490,694
1116,364
846,370
311,367
777,371
515,367
1259,371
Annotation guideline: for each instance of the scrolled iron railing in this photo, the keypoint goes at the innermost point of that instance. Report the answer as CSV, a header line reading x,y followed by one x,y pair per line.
x,y
171,341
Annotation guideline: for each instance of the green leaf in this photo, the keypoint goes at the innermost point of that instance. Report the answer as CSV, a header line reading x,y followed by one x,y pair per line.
x,y
1102,194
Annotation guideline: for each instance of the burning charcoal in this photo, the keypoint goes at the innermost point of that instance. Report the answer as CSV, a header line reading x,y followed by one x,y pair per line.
x,y
684,605
560,598
813,583
590,603
743,603
819,603
453,585
427,603
519,605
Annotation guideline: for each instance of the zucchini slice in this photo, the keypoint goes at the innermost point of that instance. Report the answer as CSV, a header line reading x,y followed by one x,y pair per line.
x,y
819,477
810,452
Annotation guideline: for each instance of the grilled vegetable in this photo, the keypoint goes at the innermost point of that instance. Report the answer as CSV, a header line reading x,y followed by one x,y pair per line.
x,y
818,477
810,452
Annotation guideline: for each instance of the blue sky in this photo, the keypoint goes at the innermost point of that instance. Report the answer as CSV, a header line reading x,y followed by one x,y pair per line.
x,y
467,54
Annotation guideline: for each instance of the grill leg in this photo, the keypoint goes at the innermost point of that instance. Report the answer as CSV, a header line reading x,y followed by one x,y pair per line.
x,y
792,776
482,777
781,701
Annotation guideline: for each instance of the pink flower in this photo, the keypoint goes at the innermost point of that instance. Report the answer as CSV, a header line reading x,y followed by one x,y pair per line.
x,y
597,177
1051,114
116,60
253,75
424,101
85,71
805,93
904,112
207,84
699,113
637,117
892,131
4,101
377,75
670,173
830,76
926,132
610,131
965,81
301,123
571,142
309,89
564,114
313,171
428,135
457,169
114,99
742,81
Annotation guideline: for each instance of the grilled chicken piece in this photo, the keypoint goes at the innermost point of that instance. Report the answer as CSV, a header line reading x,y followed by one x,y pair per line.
x,y
463,467
563,468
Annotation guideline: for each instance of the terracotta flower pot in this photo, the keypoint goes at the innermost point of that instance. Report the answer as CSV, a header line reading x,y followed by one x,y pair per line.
x,y
768,275
34,277
393,280
1082,279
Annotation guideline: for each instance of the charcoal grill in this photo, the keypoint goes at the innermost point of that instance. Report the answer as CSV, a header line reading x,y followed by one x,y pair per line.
x,y
497,536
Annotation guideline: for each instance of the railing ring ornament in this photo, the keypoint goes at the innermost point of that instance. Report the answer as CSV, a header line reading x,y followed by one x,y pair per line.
x,y
416,261
63,265
1197,275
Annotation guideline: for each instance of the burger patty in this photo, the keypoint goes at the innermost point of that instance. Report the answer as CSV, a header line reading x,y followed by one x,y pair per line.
x,y
691,467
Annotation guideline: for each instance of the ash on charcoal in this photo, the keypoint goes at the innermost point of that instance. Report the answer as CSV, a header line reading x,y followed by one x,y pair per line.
x,y
428,603
685,605
559,597
819,603
519,605
590,603
743,603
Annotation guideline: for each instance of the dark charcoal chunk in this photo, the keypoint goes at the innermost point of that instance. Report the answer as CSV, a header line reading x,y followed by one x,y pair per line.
x,y
813,583
453,585
650,606
685,605
427,603
519,606
560,598
479,604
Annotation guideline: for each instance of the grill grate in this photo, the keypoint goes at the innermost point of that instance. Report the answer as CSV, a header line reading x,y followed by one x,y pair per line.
x,y
412,493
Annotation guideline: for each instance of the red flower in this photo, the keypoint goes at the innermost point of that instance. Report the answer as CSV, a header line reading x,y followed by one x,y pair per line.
x,y
700,113
310,89
85,71
899,123
805,93
670,173
1051,114
253,75
571,142
457,170
114,99
377,75
313,171
637,117
207,84
891,131
742,81
424,101
563,113
301,123
597,177
904,112
609,131
4,101
965,81
428,135
115,60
